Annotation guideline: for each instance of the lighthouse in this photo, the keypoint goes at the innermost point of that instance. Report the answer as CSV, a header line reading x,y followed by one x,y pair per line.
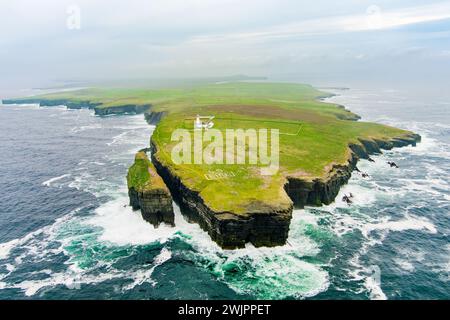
x,y
199,124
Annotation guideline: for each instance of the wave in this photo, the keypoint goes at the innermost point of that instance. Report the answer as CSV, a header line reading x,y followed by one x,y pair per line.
x,y
142,276
123,226
48,182
263,273
78,129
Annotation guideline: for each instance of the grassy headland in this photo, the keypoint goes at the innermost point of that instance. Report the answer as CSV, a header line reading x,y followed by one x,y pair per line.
x,y
314,135
319,146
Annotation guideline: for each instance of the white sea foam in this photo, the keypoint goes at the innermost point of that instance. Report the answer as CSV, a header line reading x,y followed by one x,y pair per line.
x,y
69,279
407,223
50,181
5,248
132,232
282,271
119,227
78,129
144,275
426,180
122,226
374,288
376,228
404,264
118,138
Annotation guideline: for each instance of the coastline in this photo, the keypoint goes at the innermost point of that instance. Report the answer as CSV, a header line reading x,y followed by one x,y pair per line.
x,y
263,226
270,228
98,108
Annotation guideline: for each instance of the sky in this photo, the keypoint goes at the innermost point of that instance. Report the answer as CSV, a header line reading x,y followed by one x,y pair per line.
x,y
321,42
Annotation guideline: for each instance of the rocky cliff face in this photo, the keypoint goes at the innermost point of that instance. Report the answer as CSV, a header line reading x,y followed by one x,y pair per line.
x,y
103,111
267,227
98,108
270,226
262,226
155,205
324,191
153,117
148,193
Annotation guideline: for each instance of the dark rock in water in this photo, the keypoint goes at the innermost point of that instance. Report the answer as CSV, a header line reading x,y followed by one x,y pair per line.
x,y
347,199
392,164
148,192
371,160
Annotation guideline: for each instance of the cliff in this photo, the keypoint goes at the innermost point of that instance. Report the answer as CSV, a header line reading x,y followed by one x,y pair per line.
x,y
70,104
319,146
266,225
262,226
148,192
137,109
324,190
153,117
98,108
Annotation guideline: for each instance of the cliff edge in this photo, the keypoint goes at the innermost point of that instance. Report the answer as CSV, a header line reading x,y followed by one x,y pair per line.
x,y
148,192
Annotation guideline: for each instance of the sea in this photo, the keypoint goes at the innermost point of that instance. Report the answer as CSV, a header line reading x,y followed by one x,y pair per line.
x,y
67,232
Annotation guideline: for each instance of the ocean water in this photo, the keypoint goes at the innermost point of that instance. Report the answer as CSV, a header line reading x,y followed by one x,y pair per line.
x,y
66,232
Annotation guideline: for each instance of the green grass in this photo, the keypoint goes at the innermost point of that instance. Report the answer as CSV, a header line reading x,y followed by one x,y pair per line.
x,y
142,174
315,135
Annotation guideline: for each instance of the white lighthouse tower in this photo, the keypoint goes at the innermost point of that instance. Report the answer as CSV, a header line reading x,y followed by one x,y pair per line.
x,y
199,124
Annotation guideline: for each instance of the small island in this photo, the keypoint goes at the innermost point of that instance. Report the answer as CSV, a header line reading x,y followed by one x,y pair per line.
x,y
320,144
148,192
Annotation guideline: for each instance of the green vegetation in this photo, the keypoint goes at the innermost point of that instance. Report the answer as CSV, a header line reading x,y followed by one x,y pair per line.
x,y
314,136
142,174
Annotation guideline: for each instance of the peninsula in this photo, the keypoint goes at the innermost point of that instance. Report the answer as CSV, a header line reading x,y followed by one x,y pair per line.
x,y
319,146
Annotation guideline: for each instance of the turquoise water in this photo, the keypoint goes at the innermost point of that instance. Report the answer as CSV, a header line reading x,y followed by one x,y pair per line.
x,y
66,232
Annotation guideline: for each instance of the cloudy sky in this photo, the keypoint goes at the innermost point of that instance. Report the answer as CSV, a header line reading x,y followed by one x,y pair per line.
x,y
322,42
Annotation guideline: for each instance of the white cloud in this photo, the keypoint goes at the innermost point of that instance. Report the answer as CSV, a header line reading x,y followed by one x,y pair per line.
x,y
373,19
169,38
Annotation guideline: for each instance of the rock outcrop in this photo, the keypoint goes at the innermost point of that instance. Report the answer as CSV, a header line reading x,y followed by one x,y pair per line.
x,y
148,192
